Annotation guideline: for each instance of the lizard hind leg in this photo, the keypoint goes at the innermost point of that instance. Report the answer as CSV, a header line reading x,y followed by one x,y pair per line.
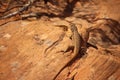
x,y
68,49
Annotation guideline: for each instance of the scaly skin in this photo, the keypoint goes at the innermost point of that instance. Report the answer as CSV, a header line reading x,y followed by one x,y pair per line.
x,y
77,43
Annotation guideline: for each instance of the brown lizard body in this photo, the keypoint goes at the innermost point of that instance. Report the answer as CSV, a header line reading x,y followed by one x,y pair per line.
x,y
77,43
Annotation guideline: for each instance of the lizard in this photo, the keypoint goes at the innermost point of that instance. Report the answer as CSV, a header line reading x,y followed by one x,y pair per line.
x,y
77,43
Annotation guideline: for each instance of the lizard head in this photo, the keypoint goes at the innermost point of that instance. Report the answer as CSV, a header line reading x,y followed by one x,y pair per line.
x,y
73,27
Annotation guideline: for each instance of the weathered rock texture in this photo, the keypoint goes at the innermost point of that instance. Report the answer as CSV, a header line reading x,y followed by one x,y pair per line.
x,y
22,45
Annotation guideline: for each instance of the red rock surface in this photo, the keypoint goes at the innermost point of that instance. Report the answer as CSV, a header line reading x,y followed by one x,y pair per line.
x,y
22,45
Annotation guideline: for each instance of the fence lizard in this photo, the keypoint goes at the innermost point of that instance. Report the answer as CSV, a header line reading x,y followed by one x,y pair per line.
x,y
77,43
